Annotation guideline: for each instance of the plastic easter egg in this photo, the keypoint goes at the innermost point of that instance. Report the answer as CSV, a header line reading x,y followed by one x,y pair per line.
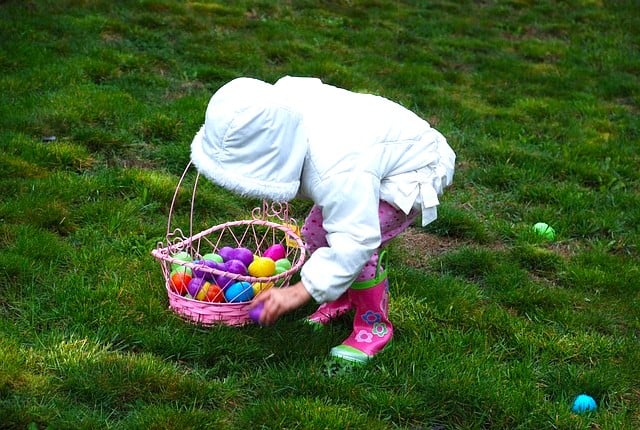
x,y
210,293
195,285
198,271
202,292
275,252
262,267
179,279
584,403
182,256
212,256
544,230
224,281
255,312
259,287
183,269
283,264
238,292
226,252
291,243
235,266
243,254
214,294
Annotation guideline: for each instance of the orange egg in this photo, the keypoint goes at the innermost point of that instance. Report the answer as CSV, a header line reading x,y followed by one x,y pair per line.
x,y
179,281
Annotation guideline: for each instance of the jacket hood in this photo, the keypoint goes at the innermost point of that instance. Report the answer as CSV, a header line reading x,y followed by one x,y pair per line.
x,y
252,142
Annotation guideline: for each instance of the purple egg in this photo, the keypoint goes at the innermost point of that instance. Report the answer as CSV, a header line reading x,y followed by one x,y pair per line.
x,y
226,252
194,286
232,267
236,266
199,273
243,254
224,281
255,313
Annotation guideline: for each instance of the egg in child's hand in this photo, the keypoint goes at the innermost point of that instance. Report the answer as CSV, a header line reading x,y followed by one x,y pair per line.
x,y
256,312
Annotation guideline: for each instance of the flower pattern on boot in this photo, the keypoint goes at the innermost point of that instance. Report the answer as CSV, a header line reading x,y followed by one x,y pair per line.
x,y
364,336
379,329
371,317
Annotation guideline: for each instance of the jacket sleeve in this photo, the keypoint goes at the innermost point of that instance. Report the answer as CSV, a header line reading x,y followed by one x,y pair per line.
x,y
349,203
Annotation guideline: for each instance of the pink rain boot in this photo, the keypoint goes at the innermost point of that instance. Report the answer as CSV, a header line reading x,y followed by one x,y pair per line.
x,y
329,311
372,329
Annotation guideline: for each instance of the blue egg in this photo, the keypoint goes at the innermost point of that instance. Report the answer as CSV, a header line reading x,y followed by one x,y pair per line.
x,y
584,403
238,292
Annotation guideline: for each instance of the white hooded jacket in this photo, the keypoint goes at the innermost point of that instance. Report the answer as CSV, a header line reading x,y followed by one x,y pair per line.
x,y
345,151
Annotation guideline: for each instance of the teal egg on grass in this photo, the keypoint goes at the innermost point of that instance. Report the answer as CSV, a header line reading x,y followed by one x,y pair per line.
x,y
584,403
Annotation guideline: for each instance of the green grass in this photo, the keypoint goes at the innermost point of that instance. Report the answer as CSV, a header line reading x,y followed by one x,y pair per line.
x,y
497,329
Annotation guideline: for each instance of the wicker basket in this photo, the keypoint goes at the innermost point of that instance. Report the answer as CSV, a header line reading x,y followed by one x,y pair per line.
x,y
268,226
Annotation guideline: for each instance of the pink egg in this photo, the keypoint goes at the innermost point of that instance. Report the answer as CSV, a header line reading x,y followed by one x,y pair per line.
x,y
275,252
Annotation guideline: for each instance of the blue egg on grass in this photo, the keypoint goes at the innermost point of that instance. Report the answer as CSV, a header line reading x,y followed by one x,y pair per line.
x,y
584,403
238,292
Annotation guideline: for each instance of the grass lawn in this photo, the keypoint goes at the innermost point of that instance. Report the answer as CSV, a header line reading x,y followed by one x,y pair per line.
x,y
496,328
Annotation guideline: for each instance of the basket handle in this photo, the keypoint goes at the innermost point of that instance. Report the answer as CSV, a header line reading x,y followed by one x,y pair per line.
x,y
269,211
170,233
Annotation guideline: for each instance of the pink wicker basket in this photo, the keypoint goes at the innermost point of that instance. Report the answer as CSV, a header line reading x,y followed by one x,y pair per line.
x,y
268,226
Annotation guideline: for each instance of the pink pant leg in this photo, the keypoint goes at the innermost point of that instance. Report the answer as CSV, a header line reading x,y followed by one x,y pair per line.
x,y
314,235
392,222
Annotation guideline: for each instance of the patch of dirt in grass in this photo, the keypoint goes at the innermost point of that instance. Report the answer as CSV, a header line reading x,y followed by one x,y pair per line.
x,y
419,247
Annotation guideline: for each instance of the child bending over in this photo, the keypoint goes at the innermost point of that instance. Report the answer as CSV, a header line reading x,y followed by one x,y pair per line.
x,y
369,165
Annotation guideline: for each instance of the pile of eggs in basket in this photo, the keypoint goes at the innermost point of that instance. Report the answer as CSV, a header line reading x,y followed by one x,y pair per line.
x,y
208,287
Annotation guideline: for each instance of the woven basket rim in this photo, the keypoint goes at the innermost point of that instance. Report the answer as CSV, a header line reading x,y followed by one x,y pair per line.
x,y
164,253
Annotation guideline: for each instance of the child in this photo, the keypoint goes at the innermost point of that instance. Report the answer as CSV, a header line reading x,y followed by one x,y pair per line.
x,y
369,165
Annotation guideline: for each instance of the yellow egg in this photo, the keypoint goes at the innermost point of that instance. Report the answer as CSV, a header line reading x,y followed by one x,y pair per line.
x,y
259,287
262,267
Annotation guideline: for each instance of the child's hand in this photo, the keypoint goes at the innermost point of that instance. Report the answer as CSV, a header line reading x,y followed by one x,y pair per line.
x,y
278,301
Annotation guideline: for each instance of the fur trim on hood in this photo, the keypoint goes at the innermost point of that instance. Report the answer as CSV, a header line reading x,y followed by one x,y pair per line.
x,y
252,142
